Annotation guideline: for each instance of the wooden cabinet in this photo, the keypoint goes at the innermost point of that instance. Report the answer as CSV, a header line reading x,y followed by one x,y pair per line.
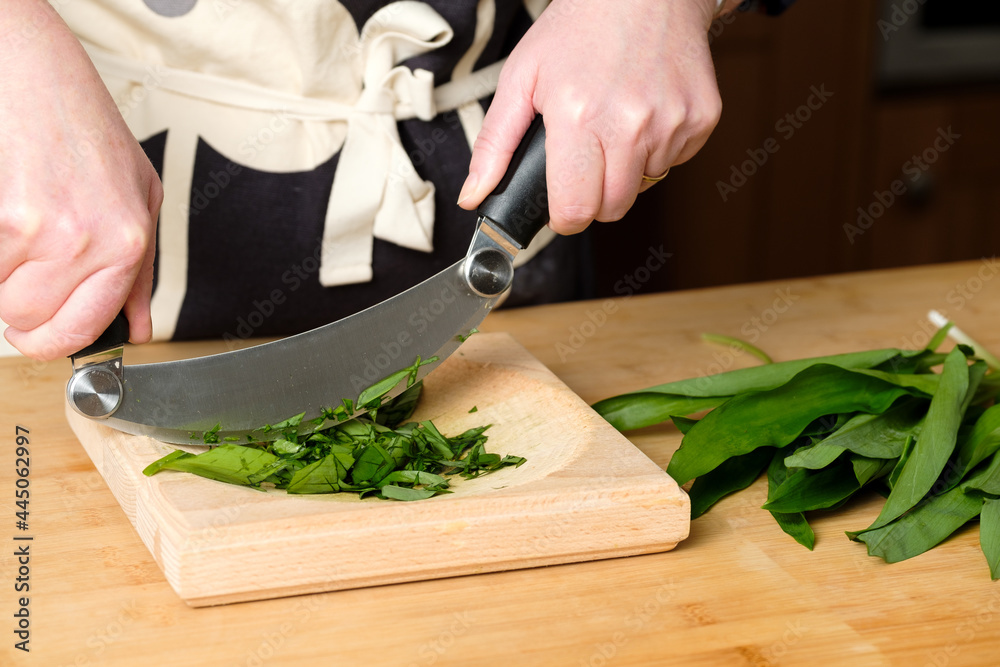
x,y
806,139
944,154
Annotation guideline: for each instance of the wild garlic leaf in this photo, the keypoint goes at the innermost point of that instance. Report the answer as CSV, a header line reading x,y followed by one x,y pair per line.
x,y
876,436
402,493
234,464
631,411
776,417
989,535
159,464
926,526
982,441
732,475
323,476
806,490
935,444
769,376
792,523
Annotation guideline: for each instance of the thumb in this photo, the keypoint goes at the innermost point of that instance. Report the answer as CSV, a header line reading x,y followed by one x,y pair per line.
x,y
506,121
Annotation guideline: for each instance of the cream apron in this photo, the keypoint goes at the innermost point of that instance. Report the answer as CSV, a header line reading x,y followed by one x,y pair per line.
x,y
281,87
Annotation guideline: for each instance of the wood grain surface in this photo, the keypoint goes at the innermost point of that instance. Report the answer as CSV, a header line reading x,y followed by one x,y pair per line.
x,y
737,592
218,543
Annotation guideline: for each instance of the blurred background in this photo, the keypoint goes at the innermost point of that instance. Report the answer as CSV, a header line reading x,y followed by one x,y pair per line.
x,y
854,135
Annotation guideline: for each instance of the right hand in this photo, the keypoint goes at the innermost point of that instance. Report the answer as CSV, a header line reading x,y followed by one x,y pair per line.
x,y
78,197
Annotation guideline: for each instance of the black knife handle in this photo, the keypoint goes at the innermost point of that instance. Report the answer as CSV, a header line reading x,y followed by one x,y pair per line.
x,y
116,335
519,206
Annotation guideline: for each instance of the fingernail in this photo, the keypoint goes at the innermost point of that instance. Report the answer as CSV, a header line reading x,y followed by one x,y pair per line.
x,y
468,188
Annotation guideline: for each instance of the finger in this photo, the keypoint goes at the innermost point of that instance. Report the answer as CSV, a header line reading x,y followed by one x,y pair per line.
x,y
622,180
506,121
33,293
138,303
574,173
651,177
82,318
15,237
699,124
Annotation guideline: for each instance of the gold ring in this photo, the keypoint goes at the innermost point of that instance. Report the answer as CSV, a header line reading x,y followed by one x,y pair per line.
x,y
655,179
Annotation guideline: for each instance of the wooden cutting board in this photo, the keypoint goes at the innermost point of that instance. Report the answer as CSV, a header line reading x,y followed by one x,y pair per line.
x,y
585,493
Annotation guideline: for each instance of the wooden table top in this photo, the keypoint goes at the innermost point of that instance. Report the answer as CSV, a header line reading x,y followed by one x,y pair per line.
x,y
738,591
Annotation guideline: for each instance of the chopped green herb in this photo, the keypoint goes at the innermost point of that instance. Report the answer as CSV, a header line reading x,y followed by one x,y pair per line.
x,y
461,339
375,453
210,437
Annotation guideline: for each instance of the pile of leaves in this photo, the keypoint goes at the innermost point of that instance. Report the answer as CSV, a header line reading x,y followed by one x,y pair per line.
x,y
372,454
825,428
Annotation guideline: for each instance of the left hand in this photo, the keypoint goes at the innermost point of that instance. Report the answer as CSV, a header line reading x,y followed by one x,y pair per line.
x,y
626,88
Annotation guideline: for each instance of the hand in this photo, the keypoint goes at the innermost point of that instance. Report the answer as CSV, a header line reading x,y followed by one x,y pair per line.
x,y
626,88
78,197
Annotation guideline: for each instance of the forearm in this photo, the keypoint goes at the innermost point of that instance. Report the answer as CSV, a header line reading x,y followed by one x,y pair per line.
x,y
27,25
35,44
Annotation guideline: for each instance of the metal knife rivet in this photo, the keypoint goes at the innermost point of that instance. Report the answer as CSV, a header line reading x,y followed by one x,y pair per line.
x,y
95,392
489,272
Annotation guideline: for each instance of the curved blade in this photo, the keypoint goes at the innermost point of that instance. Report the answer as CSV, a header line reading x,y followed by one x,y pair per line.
x,y
242,391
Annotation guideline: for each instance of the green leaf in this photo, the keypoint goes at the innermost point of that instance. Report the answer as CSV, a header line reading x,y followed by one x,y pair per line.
x,y
511,460
631,411
738,344
270,472
417,477
794,523
290,423
935,444
769,376
323,476
985,479
234,464
394,412
879,436
283,447
642,408
683,424
732,475
921,529
387,384
382,387
373,464
926,384
989,535
868,469
776,417
211,436
356,428
982,442
797,527
438,442
402,493
938,338
158,465
806,490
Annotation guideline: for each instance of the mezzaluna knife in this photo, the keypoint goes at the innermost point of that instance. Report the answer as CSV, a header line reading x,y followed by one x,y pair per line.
x,y
241,391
